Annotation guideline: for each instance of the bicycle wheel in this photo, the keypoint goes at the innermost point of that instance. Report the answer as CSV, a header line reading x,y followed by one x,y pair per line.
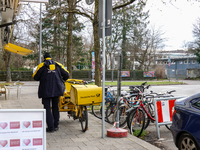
x,y
149,107
122,116
97,111
109,113
84,118
137,122
129,116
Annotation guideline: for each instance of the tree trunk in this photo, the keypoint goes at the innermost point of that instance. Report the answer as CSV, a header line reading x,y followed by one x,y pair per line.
x,y
69,39
124,55
7,59
97,45
55,42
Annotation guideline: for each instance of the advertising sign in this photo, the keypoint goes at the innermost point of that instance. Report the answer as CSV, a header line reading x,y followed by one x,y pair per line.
x,y
93,66
125,73
22,129
148,74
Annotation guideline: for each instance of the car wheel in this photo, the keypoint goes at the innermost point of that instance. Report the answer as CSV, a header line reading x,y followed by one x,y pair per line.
x,y
187,142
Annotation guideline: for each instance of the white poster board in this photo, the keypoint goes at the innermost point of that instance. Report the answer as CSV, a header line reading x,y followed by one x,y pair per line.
x,y
22,129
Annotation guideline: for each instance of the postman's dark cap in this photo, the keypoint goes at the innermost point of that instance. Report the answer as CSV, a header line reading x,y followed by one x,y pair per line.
x,y
47,55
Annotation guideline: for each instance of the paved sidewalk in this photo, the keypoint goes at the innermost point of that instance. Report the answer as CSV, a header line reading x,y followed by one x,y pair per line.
x,y
70,136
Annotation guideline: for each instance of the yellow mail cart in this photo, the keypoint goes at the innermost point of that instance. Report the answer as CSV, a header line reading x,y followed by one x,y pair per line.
x,y
77,96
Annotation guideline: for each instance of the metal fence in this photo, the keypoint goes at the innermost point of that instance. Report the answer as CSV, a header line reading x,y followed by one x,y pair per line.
x,y
87,75
17,75
77,74
177,74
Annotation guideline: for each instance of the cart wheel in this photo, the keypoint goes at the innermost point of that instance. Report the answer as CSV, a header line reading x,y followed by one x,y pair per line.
x,y
84,118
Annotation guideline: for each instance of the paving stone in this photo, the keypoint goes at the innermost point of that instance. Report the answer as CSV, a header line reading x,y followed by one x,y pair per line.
x,y
70,135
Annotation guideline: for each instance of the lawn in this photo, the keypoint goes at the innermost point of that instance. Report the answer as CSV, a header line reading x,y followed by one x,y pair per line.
x,y
114,83
2,84
127,83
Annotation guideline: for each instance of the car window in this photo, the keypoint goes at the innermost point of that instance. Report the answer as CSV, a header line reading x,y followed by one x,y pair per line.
x,y
197,105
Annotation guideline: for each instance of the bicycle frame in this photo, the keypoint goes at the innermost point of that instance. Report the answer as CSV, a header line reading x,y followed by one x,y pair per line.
x,y
109,96
142,106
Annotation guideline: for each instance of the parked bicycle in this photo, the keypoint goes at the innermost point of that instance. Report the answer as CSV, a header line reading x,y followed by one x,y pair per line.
x,y
140,117
127,103
110,96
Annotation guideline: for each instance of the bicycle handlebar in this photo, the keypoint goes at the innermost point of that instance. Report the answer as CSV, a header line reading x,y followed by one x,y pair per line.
x,y
76,82
143,88
144,83
169,92
131,95
87,82
73,82
162,94
148,86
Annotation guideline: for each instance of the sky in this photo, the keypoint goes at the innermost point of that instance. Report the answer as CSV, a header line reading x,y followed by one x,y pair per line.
x,y
175,19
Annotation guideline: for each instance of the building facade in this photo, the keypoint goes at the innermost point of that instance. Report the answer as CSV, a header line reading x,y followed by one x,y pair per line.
x,y
179,64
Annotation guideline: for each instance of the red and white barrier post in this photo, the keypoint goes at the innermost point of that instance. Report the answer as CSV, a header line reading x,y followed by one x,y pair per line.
x,y
163,111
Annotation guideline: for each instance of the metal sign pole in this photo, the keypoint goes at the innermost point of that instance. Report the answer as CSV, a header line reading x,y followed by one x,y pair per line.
x,y
118,88
103,66
40,45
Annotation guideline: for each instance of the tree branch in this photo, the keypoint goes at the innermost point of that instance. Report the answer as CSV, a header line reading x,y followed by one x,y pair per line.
x,y
77,2
123,5
75,11
81,13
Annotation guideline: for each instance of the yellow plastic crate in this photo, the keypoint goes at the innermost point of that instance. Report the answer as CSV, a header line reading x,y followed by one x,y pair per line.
x,y
86,94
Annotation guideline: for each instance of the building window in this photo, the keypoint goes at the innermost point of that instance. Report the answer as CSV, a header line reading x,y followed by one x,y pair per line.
x,y
188,61
193,61
180,62
173,62
185,61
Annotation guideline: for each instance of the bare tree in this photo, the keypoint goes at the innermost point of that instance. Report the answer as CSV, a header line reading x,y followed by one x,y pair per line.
x,y
145,47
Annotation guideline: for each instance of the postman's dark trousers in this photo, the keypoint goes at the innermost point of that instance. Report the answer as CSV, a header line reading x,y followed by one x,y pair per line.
x,y
52,115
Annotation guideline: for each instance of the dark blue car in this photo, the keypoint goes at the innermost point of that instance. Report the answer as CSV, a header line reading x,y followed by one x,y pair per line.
x,y
185,126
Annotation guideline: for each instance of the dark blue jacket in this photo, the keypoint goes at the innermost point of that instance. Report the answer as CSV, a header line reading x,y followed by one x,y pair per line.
x,y
51,76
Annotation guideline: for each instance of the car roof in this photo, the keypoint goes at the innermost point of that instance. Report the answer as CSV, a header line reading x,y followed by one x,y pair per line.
x,y
188,100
